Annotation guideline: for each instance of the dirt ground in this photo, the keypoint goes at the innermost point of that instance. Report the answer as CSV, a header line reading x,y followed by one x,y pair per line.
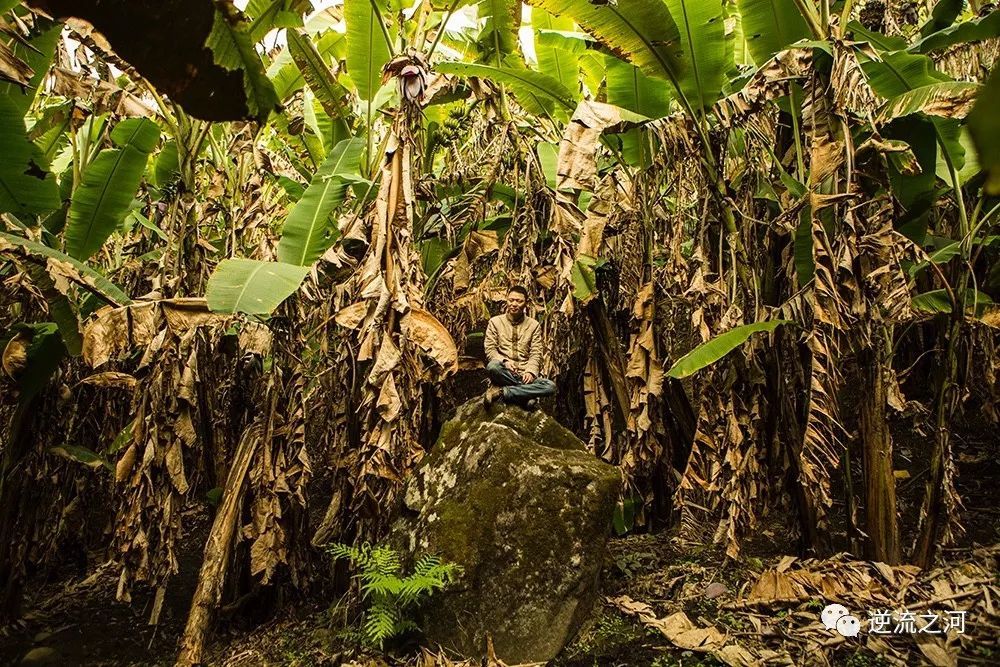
x,y
81,624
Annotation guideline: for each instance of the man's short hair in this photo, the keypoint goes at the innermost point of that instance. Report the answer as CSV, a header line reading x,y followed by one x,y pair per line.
x,y
520,290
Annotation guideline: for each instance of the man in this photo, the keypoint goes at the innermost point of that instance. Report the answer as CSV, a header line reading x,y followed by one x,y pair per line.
x,y
514,355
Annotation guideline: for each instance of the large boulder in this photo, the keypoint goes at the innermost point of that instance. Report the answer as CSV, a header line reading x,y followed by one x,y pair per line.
x,y
526,510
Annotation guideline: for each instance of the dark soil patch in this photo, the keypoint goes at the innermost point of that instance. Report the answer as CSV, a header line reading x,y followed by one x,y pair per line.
x,y
80,620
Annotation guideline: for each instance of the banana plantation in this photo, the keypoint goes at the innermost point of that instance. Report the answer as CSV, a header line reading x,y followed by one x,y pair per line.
x,y
249,252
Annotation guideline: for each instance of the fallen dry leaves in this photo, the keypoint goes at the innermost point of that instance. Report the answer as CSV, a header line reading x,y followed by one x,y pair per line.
x,y
685,634
782,605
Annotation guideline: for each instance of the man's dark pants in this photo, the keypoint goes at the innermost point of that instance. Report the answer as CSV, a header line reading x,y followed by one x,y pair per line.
x,y
516,390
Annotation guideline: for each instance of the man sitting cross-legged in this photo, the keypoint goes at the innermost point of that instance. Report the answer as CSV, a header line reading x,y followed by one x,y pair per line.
x,y
514,355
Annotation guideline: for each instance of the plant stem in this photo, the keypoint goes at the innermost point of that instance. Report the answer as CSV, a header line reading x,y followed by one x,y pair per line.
x,y
381,24
440,32
845,15
811,16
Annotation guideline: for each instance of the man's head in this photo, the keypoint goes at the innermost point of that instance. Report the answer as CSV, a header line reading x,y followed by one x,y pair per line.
x,y
517,299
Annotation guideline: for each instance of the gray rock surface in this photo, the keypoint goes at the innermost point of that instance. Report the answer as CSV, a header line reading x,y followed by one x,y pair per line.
x,y
525,509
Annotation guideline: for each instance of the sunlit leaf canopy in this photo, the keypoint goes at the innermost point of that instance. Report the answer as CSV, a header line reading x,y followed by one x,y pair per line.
x,y
312,72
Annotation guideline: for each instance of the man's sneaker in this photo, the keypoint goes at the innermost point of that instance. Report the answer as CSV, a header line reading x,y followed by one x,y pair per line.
x,y
532,404
493,394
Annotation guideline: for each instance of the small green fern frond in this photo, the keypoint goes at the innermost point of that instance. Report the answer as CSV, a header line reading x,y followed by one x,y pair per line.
x,y
445,573
404,625
343,552
380,623
385,561
387,592
375,583
426,564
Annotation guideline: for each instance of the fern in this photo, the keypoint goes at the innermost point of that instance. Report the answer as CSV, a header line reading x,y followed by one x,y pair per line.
x,y
390,595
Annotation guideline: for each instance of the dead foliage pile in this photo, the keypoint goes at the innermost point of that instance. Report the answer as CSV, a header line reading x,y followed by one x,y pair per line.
x,y
780,611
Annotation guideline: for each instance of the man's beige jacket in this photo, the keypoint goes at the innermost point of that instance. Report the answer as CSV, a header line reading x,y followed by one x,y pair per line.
x,y
520,344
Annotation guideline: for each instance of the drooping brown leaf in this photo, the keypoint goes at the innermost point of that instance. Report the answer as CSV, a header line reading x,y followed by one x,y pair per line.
x,y
15,355
114,331
111,379
430,335
577,166
352,316
12,68
104,97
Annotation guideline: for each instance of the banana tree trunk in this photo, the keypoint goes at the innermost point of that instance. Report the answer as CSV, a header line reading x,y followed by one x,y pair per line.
x,y
947,397
613,359
11,508
880,483
218,549
680,419
793,417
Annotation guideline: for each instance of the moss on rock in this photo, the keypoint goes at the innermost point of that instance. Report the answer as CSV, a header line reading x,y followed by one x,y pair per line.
x,y
519,502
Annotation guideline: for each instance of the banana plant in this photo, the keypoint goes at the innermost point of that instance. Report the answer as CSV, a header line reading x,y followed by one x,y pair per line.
x,y
257,287
78,209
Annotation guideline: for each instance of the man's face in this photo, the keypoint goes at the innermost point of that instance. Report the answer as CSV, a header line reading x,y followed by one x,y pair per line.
x,y
515,304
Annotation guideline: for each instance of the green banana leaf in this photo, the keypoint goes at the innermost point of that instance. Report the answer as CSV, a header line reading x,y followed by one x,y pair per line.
x,y
44,353
87,457
266,15
913,189
498,38
900,72
802,248
742,58
233,49
251,286
942,255
592,70
49,133
166,165
60,309
322,82
771,26
548,157
642,31
711,351
285,74
307,232
936,301
108,186
931,99
881,42
37,51
562,64
984,126
26,185
367,46
584,278
538,93
952,150
627,87
112,293
976,30
706,55
943,15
